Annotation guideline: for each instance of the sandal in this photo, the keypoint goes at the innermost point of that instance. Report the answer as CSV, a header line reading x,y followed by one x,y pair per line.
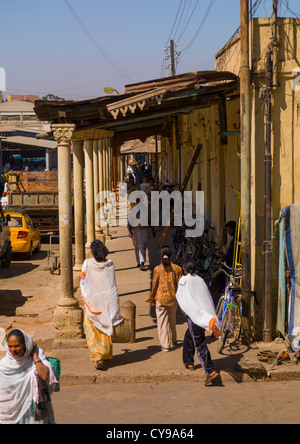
x,y
191,368
211,378
264,356
99,365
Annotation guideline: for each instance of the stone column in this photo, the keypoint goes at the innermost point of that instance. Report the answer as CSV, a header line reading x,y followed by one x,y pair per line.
x,y
114,169
96,187
90,203
79,219
122,168
106,181
105,164
48,154
68,317
101,183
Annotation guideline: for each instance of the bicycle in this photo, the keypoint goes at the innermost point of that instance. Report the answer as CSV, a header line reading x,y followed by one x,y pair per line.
x,y
229,310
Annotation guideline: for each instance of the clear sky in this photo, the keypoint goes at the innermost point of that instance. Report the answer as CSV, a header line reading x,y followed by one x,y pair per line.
x,y
74,48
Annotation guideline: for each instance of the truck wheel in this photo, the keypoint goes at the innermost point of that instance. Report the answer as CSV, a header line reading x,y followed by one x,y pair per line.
x,y
6,259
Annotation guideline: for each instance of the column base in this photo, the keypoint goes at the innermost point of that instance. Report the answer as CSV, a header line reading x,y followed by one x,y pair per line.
x,y
88,251
76,280
100,236
106,232
68,323
77,267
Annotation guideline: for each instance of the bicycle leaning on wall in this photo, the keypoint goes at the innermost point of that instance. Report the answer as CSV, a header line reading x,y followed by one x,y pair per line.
x,y
229,308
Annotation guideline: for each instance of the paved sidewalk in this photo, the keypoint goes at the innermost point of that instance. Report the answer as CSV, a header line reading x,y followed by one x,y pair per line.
x,y
144,361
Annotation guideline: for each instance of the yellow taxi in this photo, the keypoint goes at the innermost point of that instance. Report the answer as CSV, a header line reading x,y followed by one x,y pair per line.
x,y
24,235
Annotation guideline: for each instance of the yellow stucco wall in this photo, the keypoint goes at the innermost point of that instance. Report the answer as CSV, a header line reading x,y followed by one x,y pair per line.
x,y
218,167
285,136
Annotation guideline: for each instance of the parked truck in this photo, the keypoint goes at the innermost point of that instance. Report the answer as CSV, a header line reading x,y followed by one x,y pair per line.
x,y
37,193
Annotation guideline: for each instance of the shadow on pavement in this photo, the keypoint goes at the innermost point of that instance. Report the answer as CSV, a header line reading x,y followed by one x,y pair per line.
x,y
17,269
10,300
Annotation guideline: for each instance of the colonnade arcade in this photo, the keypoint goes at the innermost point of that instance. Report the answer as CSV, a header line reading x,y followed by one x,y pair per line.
x,y
92,162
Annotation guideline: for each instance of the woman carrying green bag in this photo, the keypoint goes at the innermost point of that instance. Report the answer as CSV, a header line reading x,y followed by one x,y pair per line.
x,y
27,381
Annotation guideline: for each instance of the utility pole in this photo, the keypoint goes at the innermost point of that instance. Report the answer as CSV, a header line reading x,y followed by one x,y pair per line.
x,y
245,106
177,133
271,82
172,48
275,43
267,250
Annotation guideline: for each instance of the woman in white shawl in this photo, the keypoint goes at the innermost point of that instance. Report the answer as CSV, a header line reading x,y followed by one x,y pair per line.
x,y
196,302
27,381
102,305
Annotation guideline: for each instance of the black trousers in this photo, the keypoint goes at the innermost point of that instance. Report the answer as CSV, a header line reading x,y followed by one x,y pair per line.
x,y
194,340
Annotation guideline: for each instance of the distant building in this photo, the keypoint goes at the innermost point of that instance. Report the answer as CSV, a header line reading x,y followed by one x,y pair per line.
x,y
22,97
19,113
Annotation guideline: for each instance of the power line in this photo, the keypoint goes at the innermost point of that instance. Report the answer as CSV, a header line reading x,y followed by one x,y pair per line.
x,y
168,40
174,37
96,44
188,47
286,3
251,15
182,33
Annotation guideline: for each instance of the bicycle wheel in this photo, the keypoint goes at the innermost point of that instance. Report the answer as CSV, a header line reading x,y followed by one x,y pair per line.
x,y
219,309
225,330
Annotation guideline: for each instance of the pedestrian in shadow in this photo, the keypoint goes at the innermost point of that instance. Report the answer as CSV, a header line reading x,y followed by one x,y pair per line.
x,y
164,286
196,302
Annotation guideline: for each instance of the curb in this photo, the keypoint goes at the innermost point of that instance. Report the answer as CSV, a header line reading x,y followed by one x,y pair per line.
x,y
226,376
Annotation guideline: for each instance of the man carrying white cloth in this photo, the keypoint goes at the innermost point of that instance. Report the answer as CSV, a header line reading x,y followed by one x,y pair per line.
x,y
196,302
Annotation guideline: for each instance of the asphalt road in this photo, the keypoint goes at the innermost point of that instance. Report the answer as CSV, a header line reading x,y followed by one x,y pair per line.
x,y
178,403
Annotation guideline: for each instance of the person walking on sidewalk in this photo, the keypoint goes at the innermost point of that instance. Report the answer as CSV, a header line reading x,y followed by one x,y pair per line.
x,y
140,238
102,305
27,381
164,287
196,302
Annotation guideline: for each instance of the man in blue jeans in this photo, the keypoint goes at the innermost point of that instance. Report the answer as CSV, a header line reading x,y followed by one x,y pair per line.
x,y
196,302
194,340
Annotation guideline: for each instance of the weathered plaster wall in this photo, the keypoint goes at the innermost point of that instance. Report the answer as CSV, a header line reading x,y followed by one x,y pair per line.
x,y
218,168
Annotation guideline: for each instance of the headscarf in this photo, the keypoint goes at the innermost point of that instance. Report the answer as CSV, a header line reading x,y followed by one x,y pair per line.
x,y
100,294
20,384
195,300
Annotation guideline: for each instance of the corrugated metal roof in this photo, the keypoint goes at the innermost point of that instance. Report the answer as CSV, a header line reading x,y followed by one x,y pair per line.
x,y
182,81
30,141
184,93
17,106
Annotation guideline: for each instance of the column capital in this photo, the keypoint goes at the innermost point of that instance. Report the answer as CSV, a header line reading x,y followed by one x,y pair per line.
x,y
103,134
92,134
63,132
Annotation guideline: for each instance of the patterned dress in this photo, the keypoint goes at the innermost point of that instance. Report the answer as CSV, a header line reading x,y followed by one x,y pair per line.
x,y
163,296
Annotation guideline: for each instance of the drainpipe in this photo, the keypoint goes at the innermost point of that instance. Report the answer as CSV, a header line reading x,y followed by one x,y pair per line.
x,y
267,333
245,168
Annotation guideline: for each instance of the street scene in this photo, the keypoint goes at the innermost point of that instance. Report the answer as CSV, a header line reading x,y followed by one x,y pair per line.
x,y
149,233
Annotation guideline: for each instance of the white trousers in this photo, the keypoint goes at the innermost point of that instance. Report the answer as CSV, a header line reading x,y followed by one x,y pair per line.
x,y
140,239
